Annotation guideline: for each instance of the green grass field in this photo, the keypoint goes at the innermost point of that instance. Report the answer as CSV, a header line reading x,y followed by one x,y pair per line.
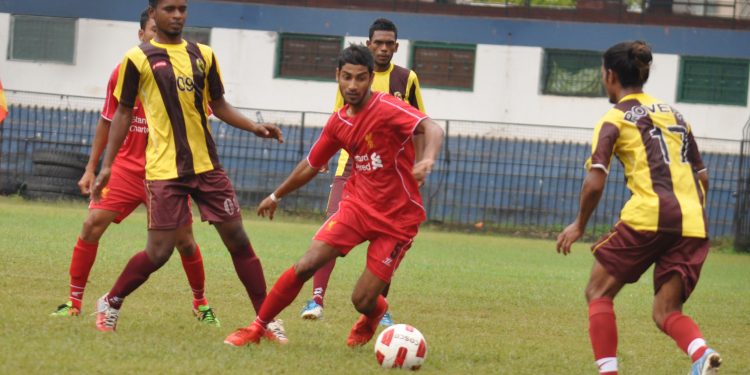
x,y
486,304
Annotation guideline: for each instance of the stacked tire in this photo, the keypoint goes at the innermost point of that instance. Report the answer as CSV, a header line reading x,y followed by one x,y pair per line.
x,y
55,175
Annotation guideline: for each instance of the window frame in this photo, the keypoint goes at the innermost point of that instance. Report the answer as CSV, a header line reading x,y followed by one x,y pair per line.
x,y
680,96
447,46
11,40
279,50
194,29
543,82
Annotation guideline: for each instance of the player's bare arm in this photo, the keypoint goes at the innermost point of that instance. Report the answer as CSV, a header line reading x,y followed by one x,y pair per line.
x,y
591,192
703,178
227,113
86,183
118,130
433,140
300,176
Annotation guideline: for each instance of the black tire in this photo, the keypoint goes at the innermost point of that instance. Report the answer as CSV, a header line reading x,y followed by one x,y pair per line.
x,y
9,184
49,196
60,157
60,171
53,185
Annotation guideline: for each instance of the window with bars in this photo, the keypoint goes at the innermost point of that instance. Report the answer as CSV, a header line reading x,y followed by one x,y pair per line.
x,y
572,73
308,56
713,81
200,35
448,66
37,38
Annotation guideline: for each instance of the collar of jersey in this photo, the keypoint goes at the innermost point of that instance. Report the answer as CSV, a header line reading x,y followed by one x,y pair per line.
x,y
387,71
344,116
168,46
632,96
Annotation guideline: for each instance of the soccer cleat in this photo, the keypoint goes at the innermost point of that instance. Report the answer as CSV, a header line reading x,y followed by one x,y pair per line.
x,y
66,309
362,332
205,315
312,311
707,364
275,332
386,321
106,316
247,335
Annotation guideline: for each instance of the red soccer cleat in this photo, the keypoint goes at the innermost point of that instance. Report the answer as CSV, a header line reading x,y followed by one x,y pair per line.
x,y
246,336
362,331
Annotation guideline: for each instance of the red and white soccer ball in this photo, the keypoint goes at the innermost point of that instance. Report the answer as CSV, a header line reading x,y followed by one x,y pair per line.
x,y
401,346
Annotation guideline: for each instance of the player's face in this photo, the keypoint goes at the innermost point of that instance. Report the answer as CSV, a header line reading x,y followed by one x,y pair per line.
x,y
354,83
170,16
383,45
149,31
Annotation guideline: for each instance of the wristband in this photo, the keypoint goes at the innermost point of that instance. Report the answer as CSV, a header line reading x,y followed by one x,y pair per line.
x,y
274,198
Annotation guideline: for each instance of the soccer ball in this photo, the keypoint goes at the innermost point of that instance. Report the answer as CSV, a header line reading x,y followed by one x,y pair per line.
x,y
401,346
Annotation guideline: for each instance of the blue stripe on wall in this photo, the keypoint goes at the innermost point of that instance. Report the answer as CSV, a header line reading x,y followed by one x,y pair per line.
x,y
419,27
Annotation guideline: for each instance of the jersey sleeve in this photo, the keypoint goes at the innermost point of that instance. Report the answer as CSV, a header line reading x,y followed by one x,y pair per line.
x,y
110,102
324,148
402,116
215,83
415,93
128,79
603,145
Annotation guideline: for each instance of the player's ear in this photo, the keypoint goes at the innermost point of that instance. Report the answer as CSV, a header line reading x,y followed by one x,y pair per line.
x,y
396,48
338,71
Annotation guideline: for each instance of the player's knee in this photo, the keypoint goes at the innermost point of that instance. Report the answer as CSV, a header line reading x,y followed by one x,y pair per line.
x,y
186,246
92,229
304,269
364,302
161,256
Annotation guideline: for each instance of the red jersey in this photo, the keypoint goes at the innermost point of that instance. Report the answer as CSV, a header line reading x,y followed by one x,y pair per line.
x,y
132,154
379,141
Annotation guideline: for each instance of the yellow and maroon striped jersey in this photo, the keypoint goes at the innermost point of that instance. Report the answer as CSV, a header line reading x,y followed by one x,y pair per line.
x,y
661,159
397,81
175,83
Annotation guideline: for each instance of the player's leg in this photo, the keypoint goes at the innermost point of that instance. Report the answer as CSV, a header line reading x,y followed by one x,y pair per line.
x,y
284,291
368,300
167,211
675,276
600,293
82,260
313,308
246,262
192,263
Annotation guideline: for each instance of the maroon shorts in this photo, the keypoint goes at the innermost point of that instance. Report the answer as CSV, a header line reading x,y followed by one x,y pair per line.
x,y
627,253
168,207
347,228
123,193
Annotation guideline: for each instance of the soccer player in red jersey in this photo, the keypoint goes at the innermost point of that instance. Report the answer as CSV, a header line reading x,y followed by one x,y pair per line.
x,y
124,193
176,81
381,202
399,82
664,222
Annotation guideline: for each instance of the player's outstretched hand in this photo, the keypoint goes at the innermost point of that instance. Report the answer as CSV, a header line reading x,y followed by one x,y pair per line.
x,y
86,182
269,131
100,183
267,207
422,169
567,237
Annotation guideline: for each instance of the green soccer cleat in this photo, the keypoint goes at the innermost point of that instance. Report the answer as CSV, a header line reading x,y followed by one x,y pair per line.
x,y
66,309
205,315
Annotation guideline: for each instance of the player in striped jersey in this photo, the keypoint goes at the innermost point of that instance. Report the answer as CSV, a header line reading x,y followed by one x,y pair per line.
x,y
389,78
176,80
664,222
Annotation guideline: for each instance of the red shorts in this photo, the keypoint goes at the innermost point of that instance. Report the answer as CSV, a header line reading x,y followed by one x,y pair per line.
x,y
168,200
627,253
123,193
347,228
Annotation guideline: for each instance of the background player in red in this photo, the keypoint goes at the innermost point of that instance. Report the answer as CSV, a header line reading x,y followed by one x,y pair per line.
x,y
381,202
399,82
124,193
176,81
663,223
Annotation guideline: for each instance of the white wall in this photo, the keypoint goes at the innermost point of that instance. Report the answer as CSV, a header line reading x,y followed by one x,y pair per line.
x,y
506,87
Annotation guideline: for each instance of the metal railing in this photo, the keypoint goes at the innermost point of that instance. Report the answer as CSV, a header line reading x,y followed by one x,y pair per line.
x,y
501,177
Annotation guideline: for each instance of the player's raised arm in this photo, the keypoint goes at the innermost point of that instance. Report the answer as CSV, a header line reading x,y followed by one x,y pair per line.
x,y
591,192
433,140
227,113
117,133
300,176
